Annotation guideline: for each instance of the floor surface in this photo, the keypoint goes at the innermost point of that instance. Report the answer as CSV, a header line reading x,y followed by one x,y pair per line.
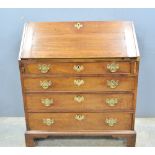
x,y
12,134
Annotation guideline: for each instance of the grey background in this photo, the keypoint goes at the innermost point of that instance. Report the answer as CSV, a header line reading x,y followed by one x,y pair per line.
x,y
11,26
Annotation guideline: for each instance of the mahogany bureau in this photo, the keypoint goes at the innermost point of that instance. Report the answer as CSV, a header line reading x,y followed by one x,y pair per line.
x,y
79,79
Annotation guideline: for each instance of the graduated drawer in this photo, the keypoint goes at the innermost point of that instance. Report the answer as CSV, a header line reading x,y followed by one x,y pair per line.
x,y
78,102
116,83
79,121
78,67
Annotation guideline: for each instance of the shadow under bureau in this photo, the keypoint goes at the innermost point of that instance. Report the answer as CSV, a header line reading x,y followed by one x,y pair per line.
x,y
79,79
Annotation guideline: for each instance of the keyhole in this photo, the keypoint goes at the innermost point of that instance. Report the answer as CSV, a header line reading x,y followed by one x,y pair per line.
x,y
78,67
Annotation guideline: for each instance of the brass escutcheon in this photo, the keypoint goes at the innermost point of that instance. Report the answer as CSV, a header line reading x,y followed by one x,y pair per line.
x,y
79,117
78,68
78,25
79,82
79,99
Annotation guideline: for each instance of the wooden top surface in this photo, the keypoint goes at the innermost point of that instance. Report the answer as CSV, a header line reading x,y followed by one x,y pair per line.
x,y
91,40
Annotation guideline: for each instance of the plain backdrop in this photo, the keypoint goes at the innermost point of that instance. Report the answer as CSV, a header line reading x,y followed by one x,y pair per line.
x,y
11,27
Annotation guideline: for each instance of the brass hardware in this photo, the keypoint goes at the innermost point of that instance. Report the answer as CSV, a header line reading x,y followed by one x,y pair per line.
x,y
78,25
48,121
44,68
79,117
78,82
46,101
78,68
111,101
113,67
111,121
79,99
112,83
45,84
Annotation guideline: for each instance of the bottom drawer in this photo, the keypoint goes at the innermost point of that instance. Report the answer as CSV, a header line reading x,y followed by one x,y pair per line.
x,y
80,121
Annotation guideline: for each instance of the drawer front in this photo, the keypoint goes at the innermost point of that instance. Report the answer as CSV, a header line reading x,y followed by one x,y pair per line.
x,y
79,84
79,121
78,102
78,68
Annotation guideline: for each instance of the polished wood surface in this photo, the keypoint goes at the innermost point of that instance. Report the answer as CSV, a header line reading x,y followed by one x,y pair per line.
x,y
76,75
90,84
89,102
69,68
93,40
91,121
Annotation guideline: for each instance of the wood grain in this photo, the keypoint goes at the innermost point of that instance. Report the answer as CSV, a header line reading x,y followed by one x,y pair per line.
x,y
93,46
63,102
90,84
67,121
88,68
93,40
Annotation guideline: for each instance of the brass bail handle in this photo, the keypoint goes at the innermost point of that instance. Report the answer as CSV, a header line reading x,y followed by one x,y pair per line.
x,y
111,121
111,101
44,68
45,84
113,67
112,83
47,102
48,121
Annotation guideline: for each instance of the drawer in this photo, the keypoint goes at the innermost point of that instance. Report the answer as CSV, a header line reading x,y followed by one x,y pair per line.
x,y
79,121
78,102
78,68
116,83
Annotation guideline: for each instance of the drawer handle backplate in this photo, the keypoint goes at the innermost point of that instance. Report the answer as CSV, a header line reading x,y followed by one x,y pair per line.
x,y
44,68
111,121
45,84
78,68
112,83
113,67
48,121
79,82
46,102
111,101
79,117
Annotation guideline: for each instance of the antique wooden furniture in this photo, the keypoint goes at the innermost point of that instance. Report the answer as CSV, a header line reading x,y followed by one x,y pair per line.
x,y
79,79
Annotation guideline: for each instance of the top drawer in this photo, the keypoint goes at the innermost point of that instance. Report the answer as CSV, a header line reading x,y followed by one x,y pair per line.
x,y
108,67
